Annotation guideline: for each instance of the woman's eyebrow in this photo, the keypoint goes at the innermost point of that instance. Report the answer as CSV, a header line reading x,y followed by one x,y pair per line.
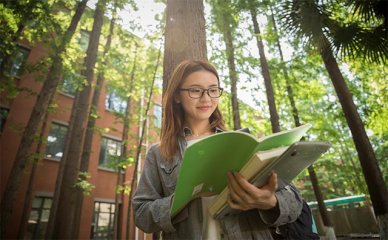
x,y
197,85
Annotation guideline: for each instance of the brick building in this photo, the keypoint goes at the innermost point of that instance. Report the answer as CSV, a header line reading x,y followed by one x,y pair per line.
x,y
98,207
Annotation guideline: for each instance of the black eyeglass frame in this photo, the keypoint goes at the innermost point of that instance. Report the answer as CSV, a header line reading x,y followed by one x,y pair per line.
x,y
220,89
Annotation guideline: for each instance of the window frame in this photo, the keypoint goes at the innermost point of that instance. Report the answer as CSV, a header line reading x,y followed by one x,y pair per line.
x,y
3,121
17,72
114,102
62,125
70,83
95,221
157,121
103,151
42,207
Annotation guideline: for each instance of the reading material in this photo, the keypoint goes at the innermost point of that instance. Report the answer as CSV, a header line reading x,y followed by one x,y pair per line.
x,y
288,165
206,162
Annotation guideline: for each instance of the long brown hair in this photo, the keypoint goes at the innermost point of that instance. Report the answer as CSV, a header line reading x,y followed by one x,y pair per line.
x,y
173,113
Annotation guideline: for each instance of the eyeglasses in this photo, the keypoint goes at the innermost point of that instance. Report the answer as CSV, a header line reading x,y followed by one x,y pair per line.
x,y
196,92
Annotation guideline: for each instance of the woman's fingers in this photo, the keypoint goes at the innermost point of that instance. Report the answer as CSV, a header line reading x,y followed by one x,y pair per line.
x,y
244,195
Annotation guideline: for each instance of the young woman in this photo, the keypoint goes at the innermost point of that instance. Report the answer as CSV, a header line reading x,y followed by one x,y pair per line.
x,y
191,112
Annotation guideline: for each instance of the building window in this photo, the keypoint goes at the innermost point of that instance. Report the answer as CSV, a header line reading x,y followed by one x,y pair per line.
x,y
114,102
69,85
83,41
157,115
56,141
3,117
102,225
39,216
110,152
18,59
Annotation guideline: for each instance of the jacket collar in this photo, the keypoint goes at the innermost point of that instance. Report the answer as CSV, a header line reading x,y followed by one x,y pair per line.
x,y
187,131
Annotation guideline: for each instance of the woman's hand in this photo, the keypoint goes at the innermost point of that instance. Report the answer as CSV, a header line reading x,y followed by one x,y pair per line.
x,y
244,196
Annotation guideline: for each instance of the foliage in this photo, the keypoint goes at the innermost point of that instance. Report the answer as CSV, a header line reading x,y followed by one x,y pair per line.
x,y
314,95
359,35
84,184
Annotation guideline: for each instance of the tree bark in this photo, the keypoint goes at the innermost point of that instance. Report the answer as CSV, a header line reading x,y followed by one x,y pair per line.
x,y
139,146
185,36
84,166
29,193
124,148
40,107
313,178
65,208
266,75
233,77
373,176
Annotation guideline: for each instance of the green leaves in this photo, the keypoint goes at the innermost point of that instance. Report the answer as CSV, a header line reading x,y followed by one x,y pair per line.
x,y
84,184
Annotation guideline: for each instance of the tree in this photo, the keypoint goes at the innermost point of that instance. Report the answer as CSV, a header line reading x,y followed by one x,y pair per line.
x,y
36,117
313,177
63,208
23,12
274,117
223,14
309,20
124,147
31,180
90,129
185,36
140,143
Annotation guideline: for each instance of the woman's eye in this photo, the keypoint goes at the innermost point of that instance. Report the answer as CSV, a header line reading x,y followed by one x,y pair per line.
x,y
195,90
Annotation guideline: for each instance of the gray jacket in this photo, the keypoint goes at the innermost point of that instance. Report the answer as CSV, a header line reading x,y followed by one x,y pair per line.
x,y
152,200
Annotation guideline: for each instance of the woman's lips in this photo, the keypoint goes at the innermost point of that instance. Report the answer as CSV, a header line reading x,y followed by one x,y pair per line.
x,y
204,108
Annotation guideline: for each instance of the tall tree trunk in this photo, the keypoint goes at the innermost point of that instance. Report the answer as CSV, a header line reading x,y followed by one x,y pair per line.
x,y
84,166
233,77
36,117
124,149
185,36
266,75
29,193
138,149
65,207
373,176
329,229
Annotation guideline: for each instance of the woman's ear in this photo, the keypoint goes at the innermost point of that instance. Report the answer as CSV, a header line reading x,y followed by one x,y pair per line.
x,y
177,99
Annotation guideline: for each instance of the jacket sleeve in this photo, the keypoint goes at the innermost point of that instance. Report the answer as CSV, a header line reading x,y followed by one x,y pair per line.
x,y
151,207
288,208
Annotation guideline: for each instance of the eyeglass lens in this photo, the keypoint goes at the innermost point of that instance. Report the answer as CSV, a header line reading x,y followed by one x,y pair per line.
x,y
198,92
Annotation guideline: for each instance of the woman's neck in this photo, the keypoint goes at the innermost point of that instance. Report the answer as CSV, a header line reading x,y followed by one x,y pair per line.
x,y
200,128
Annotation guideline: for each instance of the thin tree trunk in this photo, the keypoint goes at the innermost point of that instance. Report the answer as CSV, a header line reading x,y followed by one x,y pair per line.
x,y
124,148
228,38
138,150
84,166
233,78
290,93
329,230
266,75
185,36
29,193
373,176
65,207
313,178
40,107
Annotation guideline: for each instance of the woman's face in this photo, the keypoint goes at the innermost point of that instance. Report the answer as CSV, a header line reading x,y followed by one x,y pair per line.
x,y
198,109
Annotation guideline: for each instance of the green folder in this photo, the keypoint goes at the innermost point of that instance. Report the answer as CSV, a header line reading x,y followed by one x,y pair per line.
x,y
206,162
